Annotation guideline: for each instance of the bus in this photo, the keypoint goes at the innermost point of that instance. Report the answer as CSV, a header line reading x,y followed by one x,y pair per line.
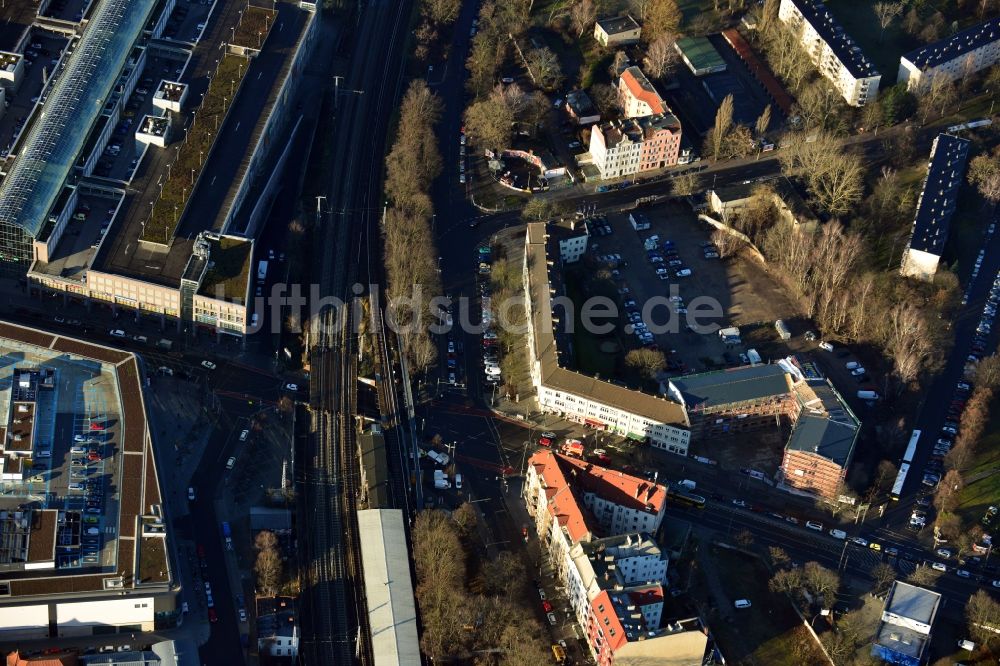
x,y
904,466
680,496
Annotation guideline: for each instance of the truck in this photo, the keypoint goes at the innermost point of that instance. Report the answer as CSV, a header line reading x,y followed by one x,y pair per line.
x,y
227,535
639,221
782,330
438,457
441,481
262,270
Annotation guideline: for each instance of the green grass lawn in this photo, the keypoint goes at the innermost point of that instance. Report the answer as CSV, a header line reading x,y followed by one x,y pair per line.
x,y
769,632
982,486
589,357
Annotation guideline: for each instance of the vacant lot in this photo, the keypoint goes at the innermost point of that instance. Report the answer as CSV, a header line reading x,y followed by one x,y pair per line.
x,y
982,478
769,632
761,450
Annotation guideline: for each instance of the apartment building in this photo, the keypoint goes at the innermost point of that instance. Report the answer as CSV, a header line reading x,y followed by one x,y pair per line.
x,y
594,402
626,629
955,57
617,31
837,57
612,562
633,145
637,95
936,205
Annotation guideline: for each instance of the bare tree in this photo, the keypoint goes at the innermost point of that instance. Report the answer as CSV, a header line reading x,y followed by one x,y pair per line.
x,y
923,575
268,569
984,174
661,56
647,362
488,123
779,558
618,64
883,574
728,244
662,17
685,185
744,539
786,581
544,67
640,7
820,580
265,540
763,122
606,99
886,13
982,612
441,11
723,123
582,16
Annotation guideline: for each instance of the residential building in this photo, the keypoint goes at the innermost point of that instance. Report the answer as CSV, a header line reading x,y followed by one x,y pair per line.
x,y
837,57
581,108
633,145
935,207
572,237
50,586
637,95
626,629
277,627
392,613
594,402
613,562
699,55
964,53
617,31
904,631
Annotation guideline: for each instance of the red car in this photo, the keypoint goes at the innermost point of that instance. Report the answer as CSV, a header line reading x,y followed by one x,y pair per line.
x,y
212,617
547,607
544,441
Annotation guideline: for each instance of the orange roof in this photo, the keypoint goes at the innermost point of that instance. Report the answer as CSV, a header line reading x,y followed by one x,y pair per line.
x,y
607,620
647,595
624,489
640,88
61,659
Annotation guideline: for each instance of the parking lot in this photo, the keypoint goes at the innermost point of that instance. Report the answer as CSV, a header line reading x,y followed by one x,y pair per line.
x,y
744,294
74,464
187,22
41,54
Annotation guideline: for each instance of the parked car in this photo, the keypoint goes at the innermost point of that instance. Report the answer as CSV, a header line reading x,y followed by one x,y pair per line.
x,y
742,603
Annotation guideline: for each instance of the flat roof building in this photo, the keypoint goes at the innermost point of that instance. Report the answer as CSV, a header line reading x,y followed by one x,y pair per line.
x,y
963,54
176,248
699,55
904,631
837,57
617,31
50,585
392,614
937,203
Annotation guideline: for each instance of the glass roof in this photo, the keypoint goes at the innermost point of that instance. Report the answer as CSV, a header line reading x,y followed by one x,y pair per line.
x,y
69,111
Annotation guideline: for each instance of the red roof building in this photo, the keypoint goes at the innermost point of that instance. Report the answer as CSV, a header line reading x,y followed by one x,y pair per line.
x,y
638,96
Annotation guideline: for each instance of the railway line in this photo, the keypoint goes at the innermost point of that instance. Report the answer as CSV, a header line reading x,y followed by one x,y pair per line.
x,y
348,253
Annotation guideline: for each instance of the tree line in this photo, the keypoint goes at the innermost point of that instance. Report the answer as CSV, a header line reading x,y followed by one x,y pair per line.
x,y
472,609
410,254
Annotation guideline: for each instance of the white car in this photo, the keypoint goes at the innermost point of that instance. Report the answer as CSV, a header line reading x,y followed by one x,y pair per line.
x,y
813,525
962,573
742,603
860,541
117,333
541,594
451,378
231,462
191,494
851,365
858,371
294,388
943,552
244,434
826,346
938,566
838,534
208,365
552,619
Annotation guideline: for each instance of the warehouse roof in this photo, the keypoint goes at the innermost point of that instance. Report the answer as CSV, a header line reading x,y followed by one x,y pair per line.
x,y
392,615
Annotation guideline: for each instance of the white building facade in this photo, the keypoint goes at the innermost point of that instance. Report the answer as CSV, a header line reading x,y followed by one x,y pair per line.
x,y
953,58
835,54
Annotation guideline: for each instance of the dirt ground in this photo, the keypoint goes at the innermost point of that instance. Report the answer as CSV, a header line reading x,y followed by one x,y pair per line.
x,y
761,450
